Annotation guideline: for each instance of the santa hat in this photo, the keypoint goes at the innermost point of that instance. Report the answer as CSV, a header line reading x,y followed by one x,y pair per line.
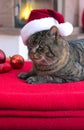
x,y
44,19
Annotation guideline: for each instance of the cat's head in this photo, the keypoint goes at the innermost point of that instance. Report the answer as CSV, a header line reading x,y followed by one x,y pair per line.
x,y
46,47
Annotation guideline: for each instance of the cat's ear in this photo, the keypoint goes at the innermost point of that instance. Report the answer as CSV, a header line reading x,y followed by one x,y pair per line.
x,y
54,31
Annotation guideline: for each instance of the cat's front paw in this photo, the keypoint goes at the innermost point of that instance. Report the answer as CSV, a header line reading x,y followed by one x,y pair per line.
x,y
23,75
32,80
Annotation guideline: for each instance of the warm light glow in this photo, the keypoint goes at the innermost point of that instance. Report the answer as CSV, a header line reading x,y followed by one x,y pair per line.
x,y
26,11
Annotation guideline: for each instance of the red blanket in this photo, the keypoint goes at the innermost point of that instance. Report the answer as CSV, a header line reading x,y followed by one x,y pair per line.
x,y
17,94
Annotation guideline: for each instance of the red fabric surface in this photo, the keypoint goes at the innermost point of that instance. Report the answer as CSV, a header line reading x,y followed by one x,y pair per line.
x,y
16,94
41,120
42,114
41,123
40,107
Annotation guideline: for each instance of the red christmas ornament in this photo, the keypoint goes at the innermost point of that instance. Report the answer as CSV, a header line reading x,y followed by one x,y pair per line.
x,y
17,61
5,67
83,19
2,57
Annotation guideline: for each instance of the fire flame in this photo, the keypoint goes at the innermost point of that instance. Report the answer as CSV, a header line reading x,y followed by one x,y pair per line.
x,y
26,11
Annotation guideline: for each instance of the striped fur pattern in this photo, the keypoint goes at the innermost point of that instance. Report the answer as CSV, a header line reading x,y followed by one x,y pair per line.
x,y
55,60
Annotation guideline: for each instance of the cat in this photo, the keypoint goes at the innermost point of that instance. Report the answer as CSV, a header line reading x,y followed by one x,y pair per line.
x,y
55,60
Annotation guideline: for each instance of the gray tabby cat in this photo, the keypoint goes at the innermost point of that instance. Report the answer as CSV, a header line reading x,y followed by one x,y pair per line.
x,y
55,60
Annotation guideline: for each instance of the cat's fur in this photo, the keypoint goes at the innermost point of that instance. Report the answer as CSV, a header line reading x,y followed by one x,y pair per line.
x,y
55,60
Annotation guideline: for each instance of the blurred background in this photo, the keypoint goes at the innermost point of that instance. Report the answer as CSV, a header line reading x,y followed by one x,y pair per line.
x,y
14,13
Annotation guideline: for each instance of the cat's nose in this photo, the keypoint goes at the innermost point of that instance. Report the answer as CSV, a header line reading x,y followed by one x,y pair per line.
x,y
35,56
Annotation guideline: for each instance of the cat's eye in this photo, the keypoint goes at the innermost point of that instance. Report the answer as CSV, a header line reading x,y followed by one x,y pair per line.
x,y
40,48
49,54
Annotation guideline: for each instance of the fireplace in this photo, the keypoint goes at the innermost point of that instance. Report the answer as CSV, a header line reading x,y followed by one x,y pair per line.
x,y
24,7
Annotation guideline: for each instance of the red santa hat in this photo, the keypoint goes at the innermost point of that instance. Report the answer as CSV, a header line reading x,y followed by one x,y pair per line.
x,y
44,19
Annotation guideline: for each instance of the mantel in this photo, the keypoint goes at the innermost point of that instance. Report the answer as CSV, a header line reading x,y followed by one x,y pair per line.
x,y
77,32
9,31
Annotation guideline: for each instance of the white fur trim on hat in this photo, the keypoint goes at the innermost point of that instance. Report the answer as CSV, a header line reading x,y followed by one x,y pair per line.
x,y
65,29
37,25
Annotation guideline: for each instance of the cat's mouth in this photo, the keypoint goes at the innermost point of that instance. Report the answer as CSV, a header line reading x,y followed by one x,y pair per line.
x,y
39,61
42,61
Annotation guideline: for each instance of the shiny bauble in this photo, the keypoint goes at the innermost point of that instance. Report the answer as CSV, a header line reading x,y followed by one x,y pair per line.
x,y
5,67
2,56
17,61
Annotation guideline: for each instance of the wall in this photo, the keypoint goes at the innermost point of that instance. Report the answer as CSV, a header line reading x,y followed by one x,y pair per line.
x,y
81,8
71,11
7,13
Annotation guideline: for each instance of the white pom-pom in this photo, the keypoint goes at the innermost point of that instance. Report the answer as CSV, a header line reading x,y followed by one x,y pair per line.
x,y
65,29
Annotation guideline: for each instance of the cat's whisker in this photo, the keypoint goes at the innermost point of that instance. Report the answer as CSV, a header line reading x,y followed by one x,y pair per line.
x,y
45,60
